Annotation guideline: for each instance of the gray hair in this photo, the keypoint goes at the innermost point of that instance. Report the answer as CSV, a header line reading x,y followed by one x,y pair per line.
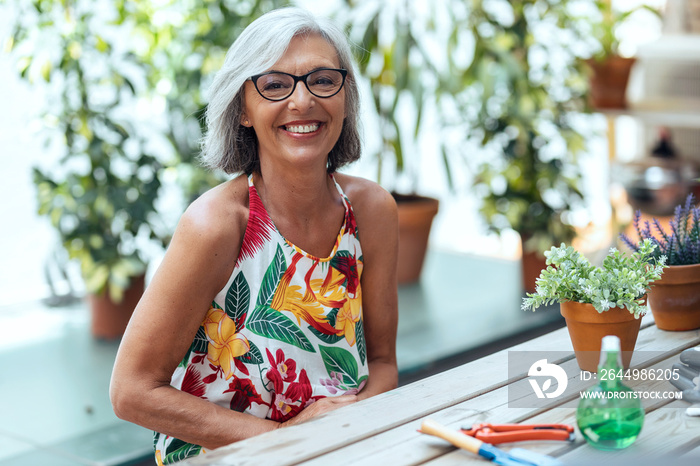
x,y
232,147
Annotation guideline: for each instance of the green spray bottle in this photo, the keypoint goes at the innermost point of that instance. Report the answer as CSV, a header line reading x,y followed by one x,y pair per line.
x,y
609,414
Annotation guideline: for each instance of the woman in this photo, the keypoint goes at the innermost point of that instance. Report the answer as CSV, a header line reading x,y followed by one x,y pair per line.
x,y
276,300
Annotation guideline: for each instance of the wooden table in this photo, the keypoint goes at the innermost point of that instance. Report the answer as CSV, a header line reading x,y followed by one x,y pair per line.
x,y
384,430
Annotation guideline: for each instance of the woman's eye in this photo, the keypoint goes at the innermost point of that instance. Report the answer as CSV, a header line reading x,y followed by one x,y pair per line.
x,y
274,85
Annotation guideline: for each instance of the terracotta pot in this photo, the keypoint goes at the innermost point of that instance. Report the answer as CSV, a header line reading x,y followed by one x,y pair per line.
x,y
109,319
587,327
675,298
532,263
416,215
609,82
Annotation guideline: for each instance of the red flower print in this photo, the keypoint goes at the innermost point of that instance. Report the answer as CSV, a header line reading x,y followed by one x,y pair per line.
x,y
300,390
288,404
283,368
244,394
192,382
282,407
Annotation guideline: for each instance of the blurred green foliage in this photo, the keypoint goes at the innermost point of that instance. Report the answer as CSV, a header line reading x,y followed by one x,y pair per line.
x,y
181,44
532,82
505,77
105,68
606,25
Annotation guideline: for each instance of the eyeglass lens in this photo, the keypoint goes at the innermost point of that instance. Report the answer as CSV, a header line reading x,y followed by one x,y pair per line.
x,y
321,83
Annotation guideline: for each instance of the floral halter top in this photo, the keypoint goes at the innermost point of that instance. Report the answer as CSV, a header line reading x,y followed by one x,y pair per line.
x,y
285,331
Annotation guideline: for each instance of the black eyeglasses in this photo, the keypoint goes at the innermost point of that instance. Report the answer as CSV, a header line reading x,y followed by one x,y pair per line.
x,y
276,86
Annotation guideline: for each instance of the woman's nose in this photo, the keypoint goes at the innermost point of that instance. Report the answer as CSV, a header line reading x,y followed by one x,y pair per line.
x,y
301,98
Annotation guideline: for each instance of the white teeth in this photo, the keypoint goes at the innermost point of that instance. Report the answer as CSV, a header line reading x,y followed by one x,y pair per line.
x,y
302,128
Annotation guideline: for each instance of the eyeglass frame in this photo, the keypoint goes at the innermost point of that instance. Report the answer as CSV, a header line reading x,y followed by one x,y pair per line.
x,y
303,78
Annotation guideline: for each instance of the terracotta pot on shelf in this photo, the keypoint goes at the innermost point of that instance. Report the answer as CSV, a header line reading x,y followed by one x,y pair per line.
x,y
109,319
609,82
675,298
587,327
416,215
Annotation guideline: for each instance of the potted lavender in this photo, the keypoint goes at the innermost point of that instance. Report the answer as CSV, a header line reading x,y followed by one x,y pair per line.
x,y
675,299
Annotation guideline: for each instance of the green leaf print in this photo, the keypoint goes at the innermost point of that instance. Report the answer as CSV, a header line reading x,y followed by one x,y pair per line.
x,y
332,316
253,356
340,361
238,298
200,343
326,338
268,322
360,341
179,450
362,379
272,278
338,255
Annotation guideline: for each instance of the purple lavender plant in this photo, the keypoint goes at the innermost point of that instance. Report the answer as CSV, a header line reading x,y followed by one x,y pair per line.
x,y
682,245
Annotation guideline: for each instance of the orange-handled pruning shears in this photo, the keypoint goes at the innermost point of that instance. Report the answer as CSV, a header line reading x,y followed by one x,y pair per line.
x,y
504,433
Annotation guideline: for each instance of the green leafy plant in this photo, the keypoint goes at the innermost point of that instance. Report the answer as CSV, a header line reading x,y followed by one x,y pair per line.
x,y
531,181
621,281
606,23
180,45
101,194
400,69
124,84
500,107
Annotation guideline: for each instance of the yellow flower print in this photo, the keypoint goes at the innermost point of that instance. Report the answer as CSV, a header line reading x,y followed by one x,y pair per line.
x,y
329,291
224,343
348,316
159,459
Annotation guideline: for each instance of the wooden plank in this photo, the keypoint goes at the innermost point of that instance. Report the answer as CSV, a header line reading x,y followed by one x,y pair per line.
x,y
651,435
401,445
353,424
693,454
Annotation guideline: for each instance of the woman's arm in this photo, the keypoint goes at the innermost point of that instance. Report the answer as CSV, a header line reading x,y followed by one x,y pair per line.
x,y
377,223
196,266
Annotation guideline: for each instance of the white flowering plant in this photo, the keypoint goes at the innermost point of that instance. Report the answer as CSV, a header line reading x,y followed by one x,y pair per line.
x,y
622,281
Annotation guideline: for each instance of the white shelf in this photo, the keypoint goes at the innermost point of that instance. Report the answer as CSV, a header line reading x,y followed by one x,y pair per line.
x,y
679,119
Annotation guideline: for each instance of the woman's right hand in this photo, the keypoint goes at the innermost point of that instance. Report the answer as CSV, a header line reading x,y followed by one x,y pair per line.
x,y
324,405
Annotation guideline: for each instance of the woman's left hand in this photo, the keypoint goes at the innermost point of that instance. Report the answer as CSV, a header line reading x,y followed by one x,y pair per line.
x,y
324,405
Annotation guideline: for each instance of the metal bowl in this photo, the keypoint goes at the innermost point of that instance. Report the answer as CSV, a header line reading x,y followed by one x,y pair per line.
x,y
656,186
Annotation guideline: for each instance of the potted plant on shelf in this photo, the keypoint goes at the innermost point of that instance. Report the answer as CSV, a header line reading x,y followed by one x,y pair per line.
x,y
675,299
610,71
598,301
101,194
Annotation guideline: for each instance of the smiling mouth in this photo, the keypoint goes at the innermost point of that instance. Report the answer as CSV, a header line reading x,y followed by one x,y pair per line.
x,y
301,129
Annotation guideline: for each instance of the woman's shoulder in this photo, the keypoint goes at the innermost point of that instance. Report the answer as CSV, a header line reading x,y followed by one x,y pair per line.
x,y
374,209
366,195
220,213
